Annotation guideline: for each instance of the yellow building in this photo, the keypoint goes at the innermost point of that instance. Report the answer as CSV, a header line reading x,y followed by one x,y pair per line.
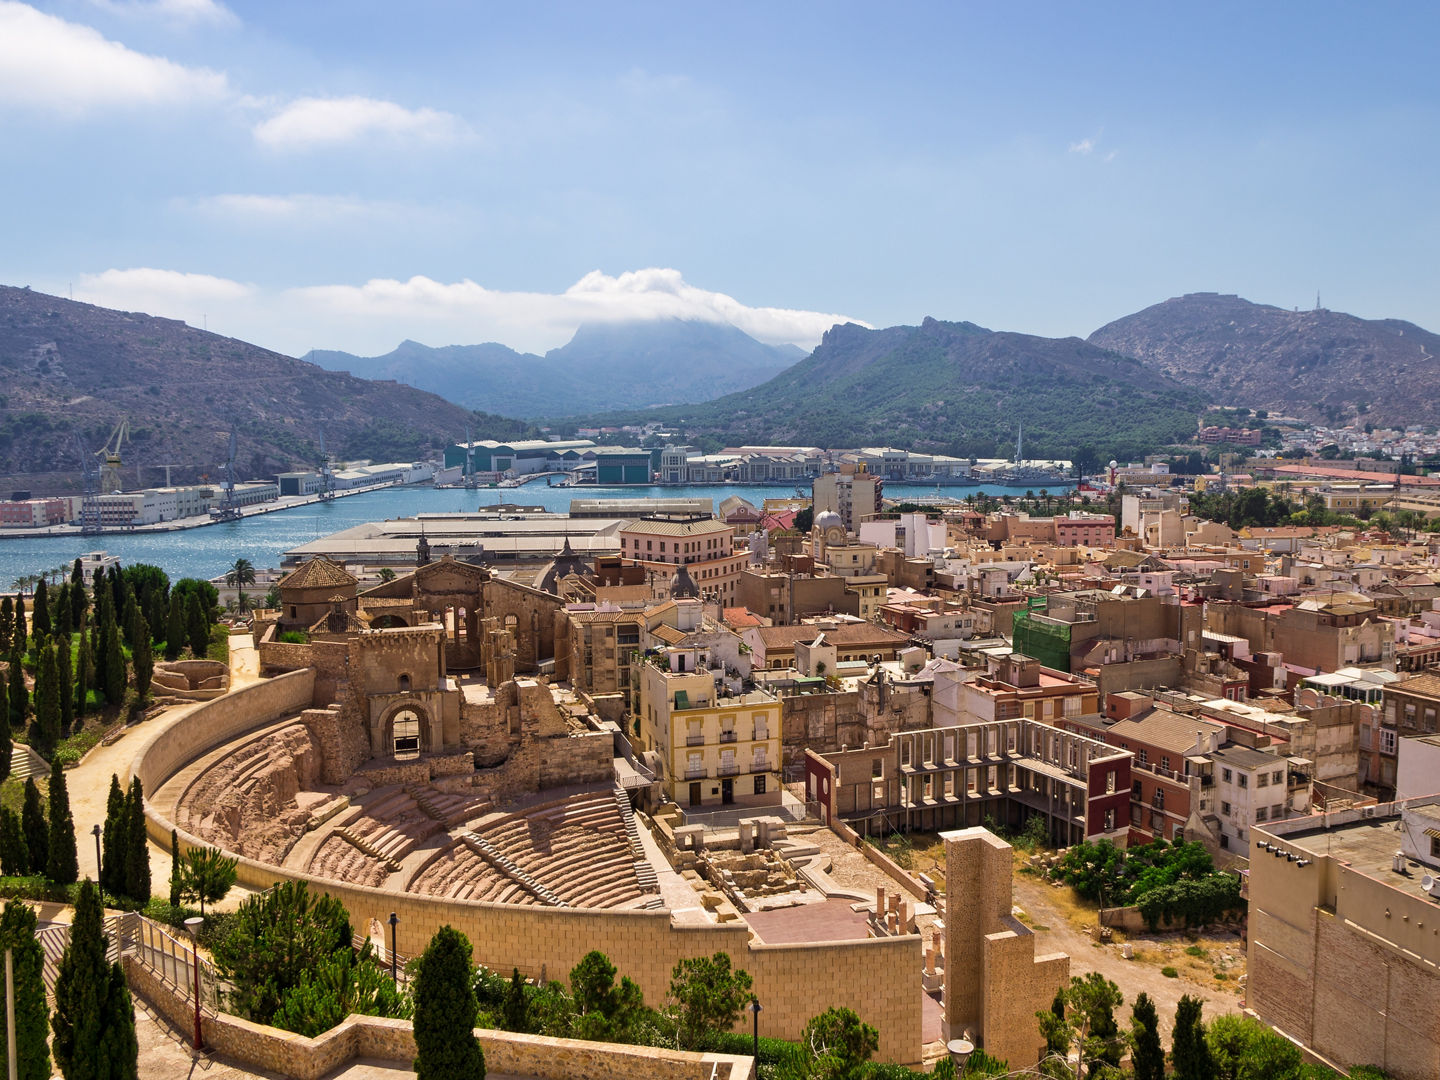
x,y
718,747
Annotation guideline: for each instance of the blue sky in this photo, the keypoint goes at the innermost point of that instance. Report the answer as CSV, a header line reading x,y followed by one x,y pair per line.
x,y
348,174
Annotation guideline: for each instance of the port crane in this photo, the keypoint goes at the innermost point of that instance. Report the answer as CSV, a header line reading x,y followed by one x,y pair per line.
x,y
90,524
327,472
228,510
109,456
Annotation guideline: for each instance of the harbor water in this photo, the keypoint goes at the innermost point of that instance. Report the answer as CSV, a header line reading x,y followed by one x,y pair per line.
x,y
263,538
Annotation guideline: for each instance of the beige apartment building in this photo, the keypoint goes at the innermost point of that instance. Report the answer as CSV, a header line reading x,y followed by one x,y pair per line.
x,y
716,748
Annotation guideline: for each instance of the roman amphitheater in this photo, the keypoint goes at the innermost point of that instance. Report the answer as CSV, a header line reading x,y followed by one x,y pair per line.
x,y
405,753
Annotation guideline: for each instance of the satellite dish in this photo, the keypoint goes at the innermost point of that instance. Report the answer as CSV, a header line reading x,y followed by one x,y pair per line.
x,y
1427,882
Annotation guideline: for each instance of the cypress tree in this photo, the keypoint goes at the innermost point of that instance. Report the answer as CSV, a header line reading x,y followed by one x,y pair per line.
x,y
155,610
114,670
119,1048
62,865
78,600
19,694
14,857
129,613
6,749
18,926
45,732
20,635
197,626
113,846
82,992
1148,1056
1189,1052
177,877
137,852
175,627
7,623
65,681
84,676
35,828
119,587
445,1008
62,612
40,619
143,658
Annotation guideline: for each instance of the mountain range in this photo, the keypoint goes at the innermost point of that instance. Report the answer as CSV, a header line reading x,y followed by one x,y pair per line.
x,y
71,370
604,366
1317,364
955,388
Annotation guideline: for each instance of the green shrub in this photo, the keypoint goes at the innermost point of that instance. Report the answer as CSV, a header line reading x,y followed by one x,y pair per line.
x,y
294,637
1169,973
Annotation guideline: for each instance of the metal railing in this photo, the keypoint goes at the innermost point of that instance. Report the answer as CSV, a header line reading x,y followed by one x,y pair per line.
x,y
695,774
728,736
729,770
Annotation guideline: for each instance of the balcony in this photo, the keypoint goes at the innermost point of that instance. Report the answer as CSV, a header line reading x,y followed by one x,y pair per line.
x,y
695,773
694,740
727,736
732,769
760,766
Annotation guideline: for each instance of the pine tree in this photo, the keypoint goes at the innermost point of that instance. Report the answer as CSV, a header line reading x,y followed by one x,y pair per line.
x,y
36,828
1147,1055
45,733
114,670
445,1008
1189,1053
82,992
40,619
62,865
65,681
20,636
175,627
19,694
14,858
18,926
84,675
143,658
197,627
7,623
137,852
113,845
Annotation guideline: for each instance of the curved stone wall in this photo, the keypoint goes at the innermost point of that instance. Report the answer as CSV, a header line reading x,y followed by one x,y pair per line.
x,y
879,978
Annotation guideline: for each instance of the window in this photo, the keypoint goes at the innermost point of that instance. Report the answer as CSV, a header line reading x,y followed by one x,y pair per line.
x,y
1159,799
1387,741
1110,782
1435,847
1165,763
1244,780
1109,820
1262,814
1142,756
1225,809
1262,780
1278,776
760,785
1225,775
406,734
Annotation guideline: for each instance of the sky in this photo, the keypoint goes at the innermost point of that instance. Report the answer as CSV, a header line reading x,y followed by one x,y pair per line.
x,y
345,175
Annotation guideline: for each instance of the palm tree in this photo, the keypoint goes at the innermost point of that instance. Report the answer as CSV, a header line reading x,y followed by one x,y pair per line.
x,y
242,573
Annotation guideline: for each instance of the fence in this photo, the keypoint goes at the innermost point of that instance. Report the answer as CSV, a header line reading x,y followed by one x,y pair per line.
x,y
168,958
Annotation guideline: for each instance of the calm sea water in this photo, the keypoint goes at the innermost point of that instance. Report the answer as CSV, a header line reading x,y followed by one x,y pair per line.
x,y
207,551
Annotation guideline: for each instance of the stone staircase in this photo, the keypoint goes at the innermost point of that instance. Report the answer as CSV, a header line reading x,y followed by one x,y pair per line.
x,y
25,762
425,803
506,865
348,834
644,872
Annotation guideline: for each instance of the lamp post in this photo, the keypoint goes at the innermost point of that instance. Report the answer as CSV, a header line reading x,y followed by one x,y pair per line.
x,y
394,970
960,1051
193,925
96,831
755,1042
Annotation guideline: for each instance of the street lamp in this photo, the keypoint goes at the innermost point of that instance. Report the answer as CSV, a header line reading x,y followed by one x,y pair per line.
x,y
394,972
96,831
193,925
960,1051
755,1012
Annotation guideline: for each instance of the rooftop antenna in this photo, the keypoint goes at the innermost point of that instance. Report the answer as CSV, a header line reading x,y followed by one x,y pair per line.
x,y
1317,300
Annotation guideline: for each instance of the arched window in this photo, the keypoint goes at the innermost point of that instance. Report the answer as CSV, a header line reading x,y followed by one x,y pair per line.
x,y
404,683
406,734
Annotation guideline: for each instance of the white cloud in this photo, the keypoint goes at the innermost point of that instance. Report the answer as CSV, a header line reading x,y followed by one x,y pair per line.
x,y
372,318
1084,146
310,122
188,12
48,63
299,209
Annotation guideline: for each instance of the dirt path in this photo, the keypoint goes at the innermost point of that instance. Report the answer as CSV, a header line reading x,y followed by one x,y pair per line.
x,y
1037,900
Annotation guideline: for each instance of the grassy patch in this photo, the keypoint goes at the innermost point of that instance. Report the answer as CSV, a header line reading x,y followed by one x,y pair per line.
x,y
1196,950
219,648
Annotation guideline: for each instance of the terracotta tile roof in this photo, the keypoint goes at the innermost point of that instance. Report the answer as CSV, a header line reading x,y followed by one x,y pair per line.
x,y
736,617
1164,729
317,573
1425,683
845,634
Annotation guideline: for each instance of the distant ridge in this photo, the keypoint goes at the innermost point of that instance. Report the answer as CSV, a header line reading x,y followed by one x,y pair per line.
x,y
605,366
1316,364
69,367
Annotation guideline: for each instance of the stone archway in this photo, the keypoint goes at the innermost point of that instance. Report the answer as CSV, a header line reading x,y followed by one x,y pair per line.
x,y
388,622
406,730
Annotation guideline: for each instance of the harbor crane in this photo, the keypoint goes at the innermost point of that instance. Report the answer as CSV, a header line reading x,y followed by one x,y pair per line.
x,y
228,510
109,456
90,523
327,472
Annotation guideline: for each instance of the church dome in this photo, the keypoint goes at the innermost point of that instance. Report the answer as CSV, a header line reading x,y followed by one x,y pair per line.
x,y
828,519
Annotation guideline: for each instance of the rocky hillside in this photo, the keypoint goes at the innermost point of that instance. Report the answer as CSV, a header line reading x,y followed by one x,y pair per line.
x,y
71,369
604,366
954,388
1320,365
